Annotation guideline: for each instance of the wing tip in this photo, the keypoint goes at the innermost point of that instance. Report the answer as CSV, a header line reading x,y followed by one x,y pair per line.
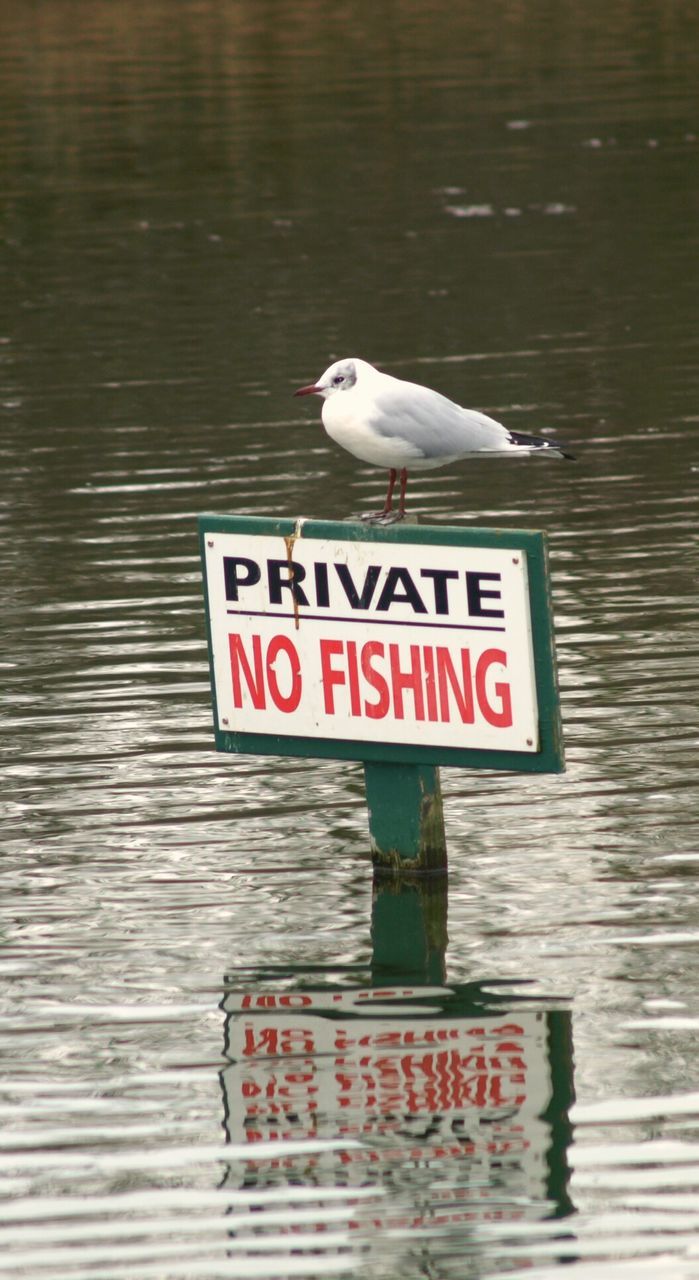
x,y
536,443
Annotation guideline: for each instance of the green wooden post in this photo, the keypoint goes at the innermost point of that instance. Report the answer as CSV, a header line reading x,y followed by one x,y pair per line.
x,y
406,819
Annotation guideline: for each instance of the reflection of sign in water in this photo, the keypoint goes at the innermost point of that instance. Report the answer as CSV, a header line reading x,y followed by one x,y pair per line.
x,y
469,1093
330,639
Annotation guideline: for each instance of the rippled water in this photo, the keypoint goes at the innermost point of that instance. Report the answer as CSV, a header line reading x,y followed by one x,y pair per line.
x,y
225,1051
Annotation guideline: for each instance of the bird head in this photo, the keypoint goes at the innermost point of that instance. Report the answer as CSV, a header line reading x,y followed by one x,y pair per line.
x,y
341,376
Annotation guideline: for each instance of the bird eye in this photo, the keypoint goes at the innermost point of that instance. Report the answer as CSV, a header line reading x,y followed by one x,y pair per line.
x,y
339,377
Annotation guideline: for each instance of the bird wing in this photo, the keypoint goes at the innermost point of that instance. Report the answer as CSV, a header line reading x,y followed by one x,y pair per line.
x,y
431,423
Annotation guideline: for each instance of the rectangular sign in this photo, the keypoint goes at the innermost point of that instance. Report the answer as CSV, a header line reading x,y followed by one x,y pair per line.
x,y
380,641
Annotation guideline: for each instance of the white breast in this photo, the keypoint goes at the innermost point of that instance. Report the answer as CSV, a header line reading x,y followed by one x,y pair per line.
x,y
348,421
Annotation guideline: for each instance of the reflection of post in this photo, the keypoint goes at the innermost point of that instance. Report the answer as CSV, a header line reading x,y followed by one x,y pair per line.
x,y
560,1029
406,820
409,928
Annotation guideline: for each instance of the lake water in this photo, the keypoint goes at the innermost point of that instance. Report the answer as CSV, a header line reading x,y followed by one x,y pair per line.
x,y
225,1050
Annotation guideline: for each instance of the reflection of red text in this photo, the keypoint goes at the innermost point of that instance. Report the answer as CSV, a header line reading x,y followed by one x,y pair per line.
x,y
277,1040
299,1069
490,1074
396,1039
418,1035
432,1082
291,1000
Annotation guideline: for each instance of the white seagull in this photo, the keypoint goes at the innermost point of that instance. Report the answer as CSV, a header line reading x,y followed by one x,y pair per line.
x,y
406,427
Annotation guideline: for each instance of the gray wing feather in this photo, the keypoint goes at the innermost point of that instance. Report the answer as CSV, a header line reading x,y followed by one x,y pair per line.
x,y
436,426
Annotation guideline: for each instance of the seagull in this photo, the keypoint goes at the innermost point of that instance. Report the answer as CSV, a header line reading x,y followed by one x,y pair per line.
x,y
404,426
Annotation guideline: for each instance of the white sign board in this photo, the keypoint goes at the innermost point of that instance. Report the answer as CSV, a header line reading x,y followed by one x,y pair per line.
x,y
372,641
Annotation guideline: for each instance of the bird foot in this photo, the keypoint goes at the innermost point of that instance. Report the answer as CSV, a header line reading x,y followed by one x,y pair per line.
x,y
382,517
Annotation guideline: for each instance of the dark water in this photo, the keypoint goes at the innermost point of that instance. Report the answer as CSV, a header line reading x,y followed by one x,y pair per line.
x,y
225,1052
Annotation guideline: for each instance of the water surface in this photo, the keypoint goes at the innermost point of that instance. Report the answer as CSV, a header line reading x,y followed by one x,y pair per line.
x,y
225,1051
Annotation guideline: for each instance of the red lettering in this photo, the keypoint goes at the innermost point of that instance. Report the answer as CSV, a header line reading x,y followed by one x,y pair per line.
x,y
250,678
447,678
330,677
500,716
353,669
289,702
411,679
430,683
442,684
239,663
375,710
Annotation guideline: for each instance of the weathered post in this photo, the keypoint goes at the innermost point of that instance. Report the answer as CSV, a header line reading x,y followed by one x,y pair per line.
x,y
406,818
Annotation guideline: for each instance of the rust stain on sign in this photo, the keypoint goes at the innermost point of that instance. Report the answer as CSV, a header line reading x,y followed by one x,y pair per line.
x,y
289,542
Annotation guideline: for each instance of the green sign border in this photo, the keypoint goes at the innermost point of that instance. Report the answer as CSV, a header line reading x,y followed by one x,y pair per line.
x,y
549,758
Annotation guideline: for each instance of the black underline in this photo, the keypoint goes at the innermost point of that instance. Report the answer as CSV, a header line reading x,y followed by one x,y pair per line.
x,y
382,622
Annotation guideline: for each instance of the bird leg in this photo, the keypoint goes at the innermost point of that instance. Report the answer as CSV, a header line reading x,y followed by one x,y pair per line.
x,y
388,514
403,487
388,504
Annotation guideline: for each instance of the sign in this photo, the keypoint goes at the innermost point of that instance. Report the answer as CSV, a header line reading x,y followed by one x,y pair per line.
x,y
416,645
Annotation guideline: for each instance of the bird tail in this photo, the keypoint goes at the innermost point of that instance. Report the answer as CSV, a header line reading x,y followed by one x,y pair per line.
x,y
533,444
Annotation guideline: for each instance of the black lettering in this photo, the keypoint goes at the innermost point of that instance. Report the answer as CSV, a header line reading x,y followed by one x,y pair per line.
x,y
390,594
238,571
322,592
370,581
476,594
276,584
440,578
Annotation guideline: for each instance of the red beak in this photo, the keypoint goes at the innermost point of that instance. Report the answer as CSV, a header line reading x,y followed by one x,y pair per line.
x,y
307,391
